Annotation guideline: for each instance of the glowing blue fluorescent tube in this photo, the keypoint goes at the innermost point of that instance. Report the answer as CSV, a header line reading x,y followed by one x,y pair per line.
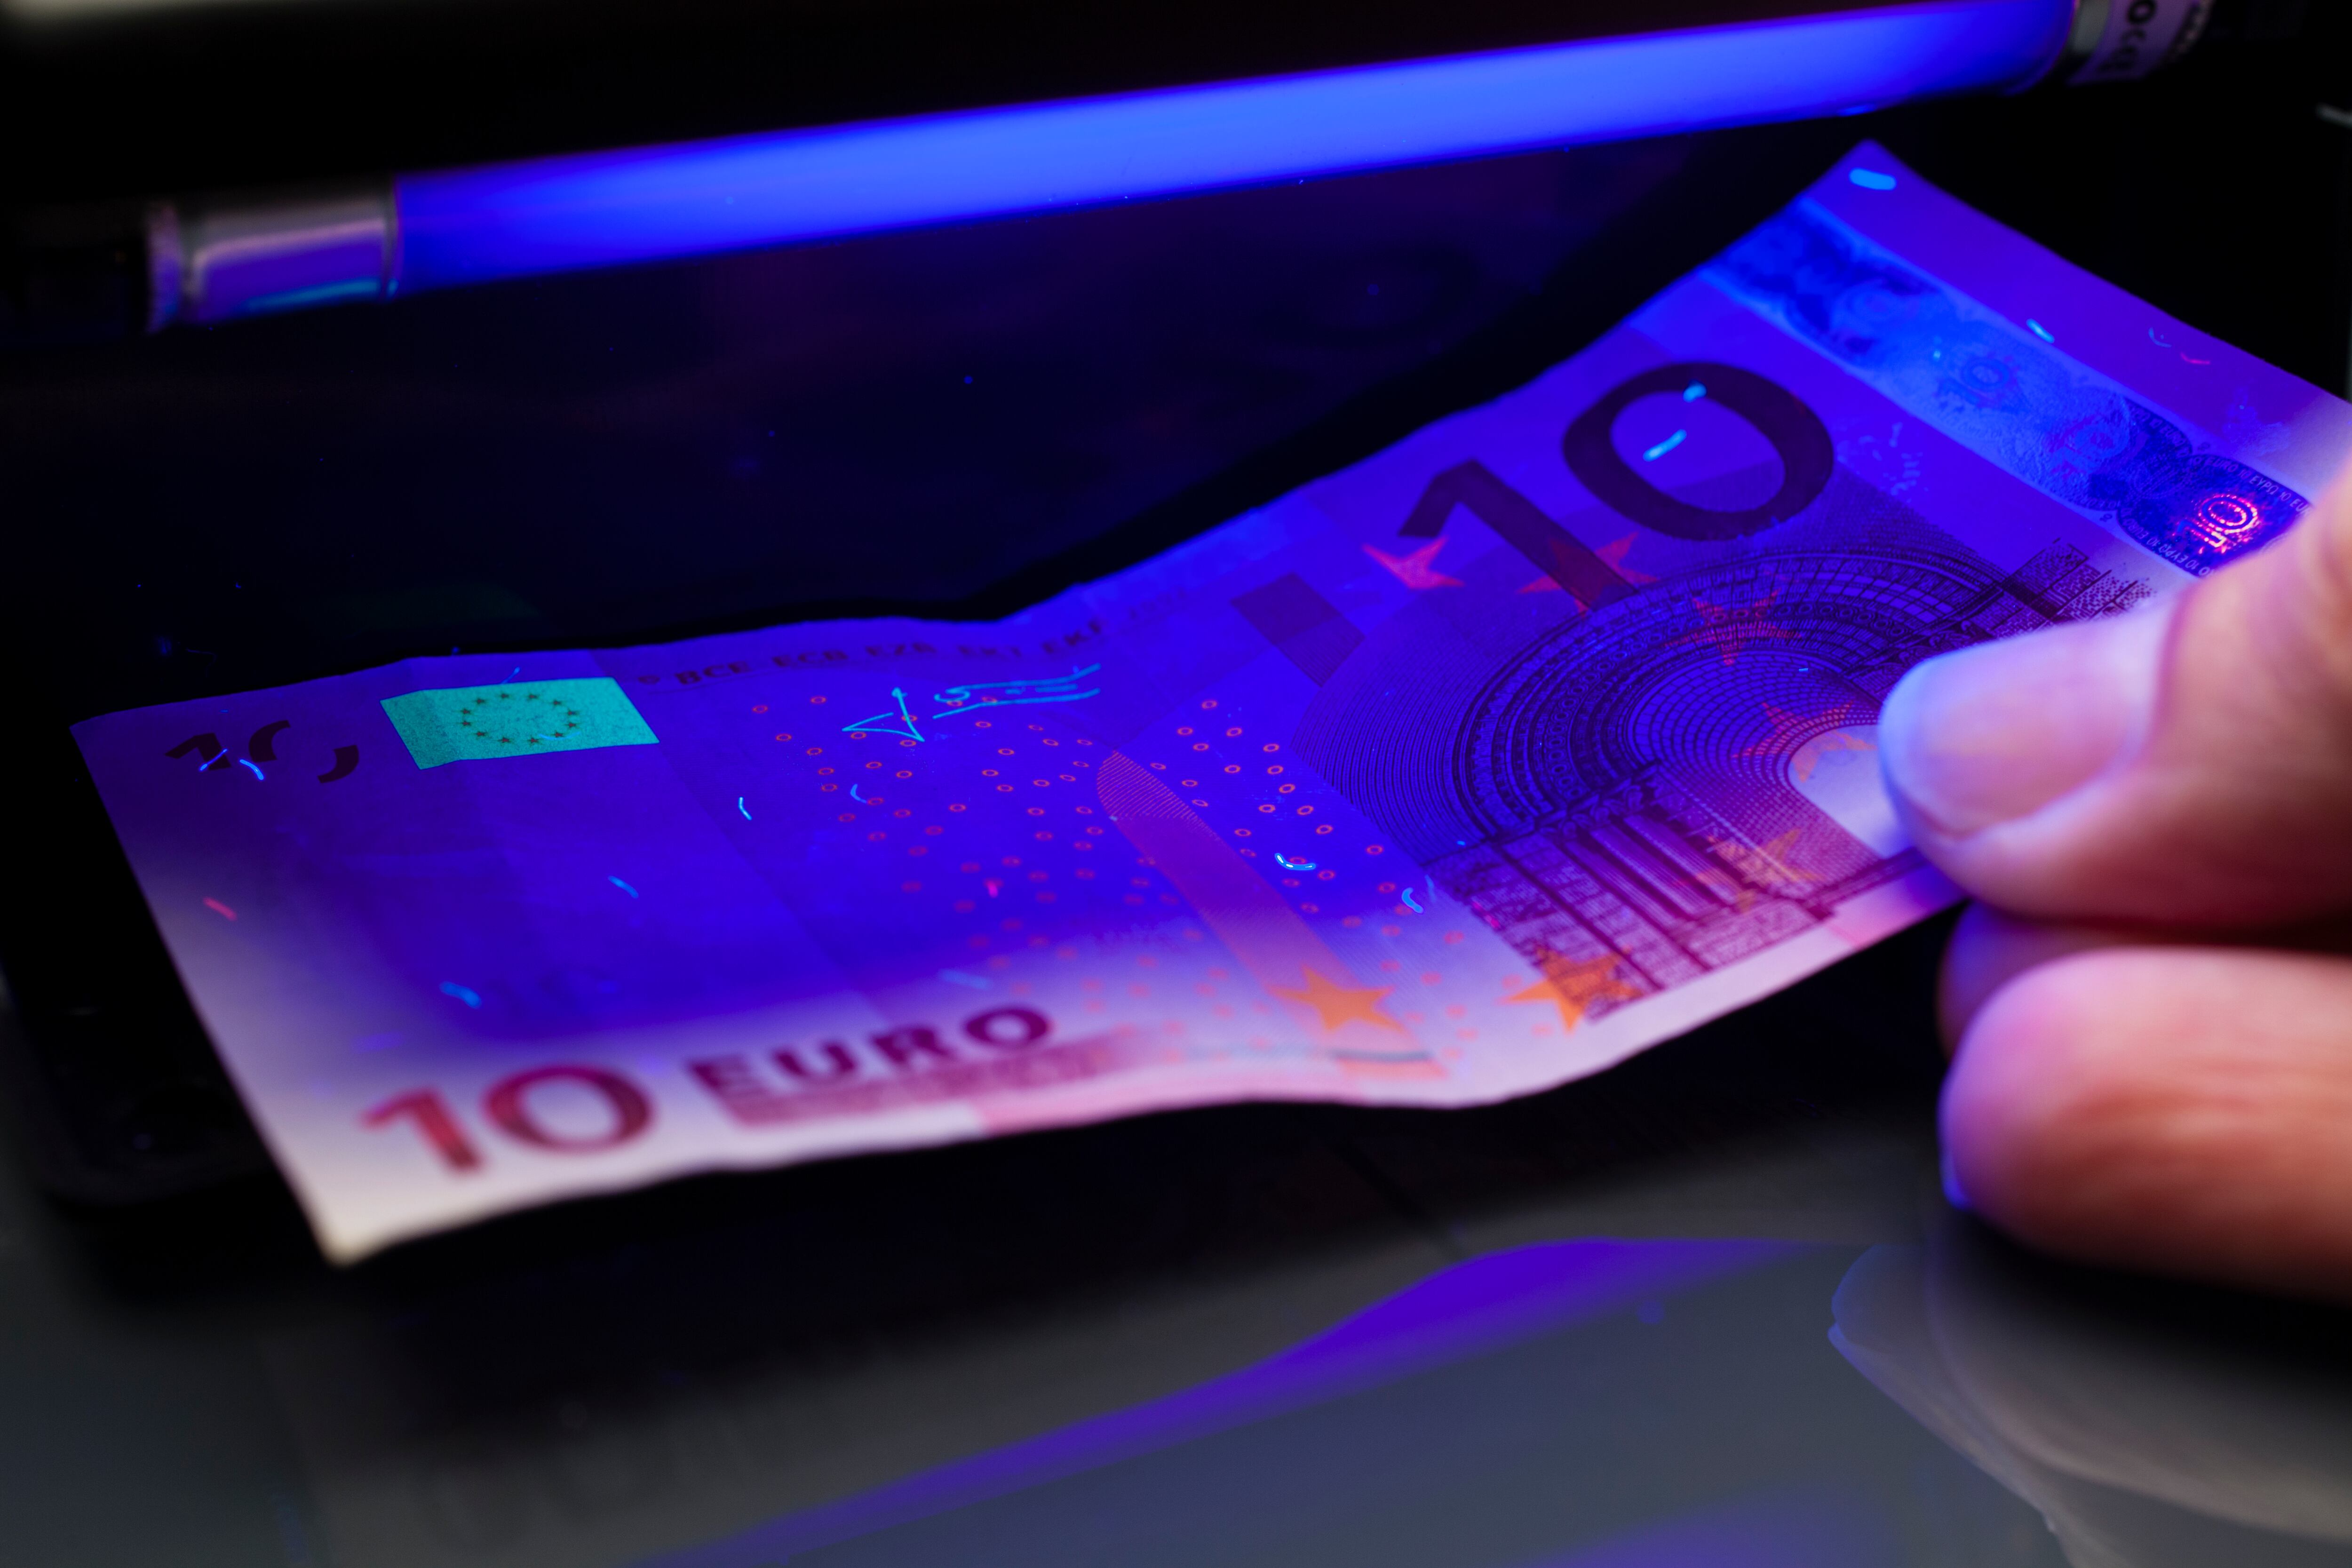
x,y
213,263
648,203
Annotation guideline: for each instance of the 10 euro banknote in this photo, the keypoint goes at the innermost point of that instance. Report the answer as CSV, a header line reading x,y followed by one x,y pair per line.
x,y
1541,737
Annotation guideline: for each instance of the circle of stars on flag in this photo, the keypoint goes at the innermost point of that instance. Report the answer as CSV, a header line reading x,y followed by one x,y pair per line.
x,y
535,723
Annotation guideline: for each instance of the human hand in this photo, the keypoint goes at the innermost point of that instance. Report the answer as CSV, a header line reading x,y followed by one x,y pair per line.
x,y
2153,1019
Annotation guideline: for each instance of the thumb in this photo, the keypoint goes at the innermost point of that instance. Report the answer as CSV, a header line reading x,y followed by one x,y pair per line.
x,y
2190,762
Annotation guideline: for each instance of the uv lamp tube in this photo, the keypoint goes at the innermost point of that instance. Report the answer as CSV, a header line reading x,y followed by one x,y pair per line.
x,y
441,231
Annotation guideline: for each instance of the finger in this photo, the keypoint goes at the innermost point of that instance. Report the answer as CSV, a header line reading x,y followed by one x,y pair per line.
x,y
2190,763
2179,1109
1989,948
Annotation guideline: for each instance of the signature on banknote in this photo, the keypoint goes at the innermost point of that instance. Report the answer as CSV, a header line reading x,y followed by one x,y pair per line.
x,y
898,719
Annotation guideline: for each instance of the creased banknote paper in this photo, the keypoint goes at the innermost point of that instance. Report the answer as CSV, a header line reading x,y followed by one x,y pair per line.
x,y
1541,737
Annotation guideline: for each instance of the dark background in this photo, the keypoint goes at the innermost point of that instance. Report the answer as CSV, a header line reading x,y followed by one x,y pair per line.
x,y
953,422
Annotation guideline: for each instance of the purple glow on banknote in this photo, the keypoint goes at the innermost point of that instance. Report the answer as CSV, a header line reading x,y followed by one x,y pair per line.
x,y
1471,1309
2025,407
1545,734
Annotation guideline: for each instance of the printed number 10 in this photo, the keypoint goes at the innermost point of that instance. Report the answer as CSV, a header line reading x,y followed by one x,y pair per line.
x,y
508,1106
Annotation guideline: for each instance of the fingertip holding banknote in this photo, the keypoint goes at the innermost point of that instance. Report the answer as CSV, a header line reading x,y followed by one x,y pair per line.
x,y
1993,752
1545,734
2147,1074
1990,736
2181,765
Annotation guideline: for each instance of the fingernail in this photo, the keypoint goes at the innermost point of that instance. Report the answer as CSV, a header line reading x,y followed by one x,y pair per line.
x,y
1995,731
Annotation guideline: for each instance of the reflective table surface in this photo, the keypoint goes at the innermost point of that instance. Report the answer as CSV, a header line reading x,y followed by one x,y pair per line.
x,y
1708,1307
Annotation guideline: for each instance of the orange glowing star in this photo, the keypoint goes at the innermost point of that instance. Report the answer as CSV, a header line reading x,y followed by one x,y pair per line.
x,y
1810,755
1767,862
1418,570
1731,627
1337,1004
1729,887
1784,736
1576,985
1788,732
1615,553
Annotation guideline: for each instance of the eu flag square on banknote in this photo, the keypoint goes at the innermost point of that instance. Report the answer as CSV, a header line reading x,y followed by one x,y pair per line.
x,y
471,723
1544,734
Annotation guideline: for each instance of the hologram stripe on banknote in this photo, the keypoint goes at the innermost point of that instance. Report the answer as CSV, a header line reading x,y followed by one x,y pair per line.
x,y
1539,737
2019,404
